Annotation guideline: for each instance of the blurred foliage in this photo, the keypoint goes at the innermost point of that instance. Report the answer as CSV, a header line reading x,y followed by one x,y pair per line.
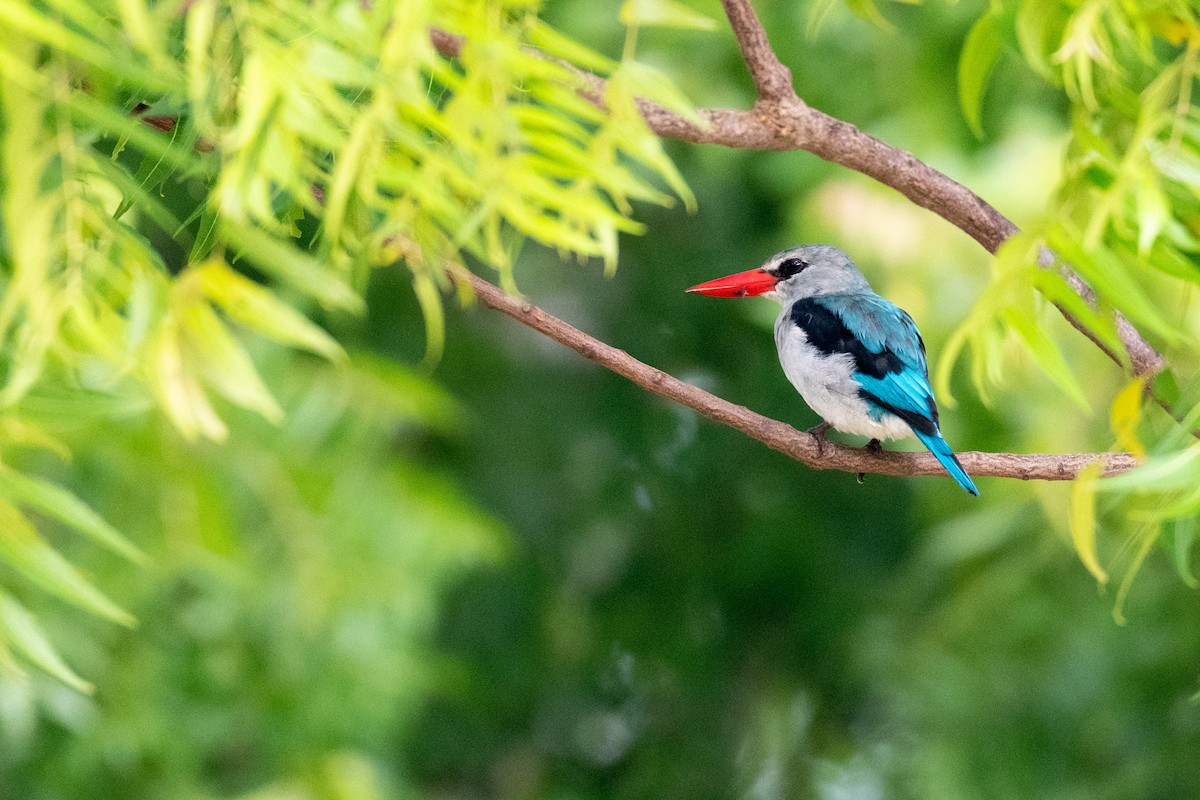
x,y
284,622
180,174
1125,216
531,579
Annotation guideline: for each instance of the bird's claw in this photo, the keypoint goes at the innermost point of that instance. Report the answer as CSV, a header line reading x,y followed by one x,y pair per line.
x,y
874,448
818,432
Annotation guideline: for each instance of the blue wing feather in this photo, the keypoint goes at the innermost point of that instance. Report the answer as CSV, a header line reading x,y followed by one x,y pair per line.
x,y
889,359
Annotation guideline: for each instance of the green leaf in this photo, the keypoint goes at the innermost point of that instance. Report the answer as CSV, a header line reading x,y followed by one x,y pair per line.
x,y
29,554
1166,386
1181,533
293,266
21,632
1038,25
435,322
663,14
35,22
206,236
257,307
550,41
224,363
1046,354
1145,541
867,10
979,55
818,12
57,502
177,389
1179,470
1125,415
650,83
1082,520
1153,211
1116,283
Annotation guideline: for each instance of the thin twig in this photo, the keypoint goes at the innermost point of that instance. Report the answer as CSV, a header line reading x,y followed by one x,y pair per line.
x,y
797,444
782,121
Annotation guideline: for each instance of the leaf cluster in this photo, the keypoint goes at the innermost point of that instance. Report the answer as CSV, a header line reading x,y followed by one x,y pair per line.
x,y
178,178
1125,217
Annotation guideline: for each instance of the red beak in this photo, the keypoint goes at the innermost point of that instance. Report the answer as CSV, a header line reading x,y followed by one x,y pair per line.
x,y
743,284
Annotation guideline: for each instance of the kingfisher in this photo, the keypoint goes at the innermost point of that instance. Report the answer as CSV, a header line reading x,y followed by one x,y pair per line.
x,y
856,358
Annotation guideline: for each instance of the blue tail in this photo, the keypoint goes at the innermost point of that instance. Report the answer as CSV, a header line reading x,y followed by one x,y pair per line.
x,y
942,452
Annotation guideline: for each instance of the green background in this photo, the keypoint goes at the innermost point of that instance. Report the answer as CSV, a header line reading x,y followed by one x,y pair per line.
x,y
516,575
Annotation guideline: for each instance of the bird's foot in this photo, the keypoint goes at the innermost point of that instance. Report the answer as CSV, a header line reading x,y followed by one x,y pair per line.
x,y
874,448
818,433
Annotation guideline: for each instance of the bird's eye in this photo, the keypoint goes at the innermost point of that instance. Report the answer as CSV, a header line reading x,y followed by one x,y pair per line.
x,y
791,267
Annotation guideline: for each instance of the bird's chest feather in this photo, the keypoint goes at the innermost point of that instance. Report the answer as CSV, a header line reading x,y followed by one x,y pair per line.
x,y
825,379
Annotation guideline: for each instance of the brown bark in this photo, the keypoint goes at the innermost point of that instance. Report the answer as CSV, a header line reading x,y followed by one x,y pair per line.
x,y
801,446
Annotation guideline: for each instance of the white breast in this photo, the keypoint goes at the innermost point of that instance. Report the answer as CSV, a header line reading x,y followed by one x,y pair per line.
x,y
827,385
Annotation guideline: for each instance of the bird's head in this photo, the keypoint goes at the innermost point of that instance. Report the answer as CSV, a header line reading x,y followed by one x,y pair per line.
x,y
806,271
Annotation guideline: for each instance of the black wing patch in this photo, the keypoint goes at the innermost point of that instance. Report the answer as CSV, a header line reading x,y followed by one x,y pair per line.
x,y
828,333
881,373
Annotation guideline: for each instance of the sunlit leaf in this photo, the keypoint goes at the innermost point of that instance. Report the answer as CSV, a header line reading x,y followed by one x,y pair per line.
x,y
1126,413
1152,214
979,54
224,363
868,10
649,83
1082,519
1143,541
818,12
556,44
1181,533
297,269
663,13
1046,354
58,503
35,560
20,632
261,311
1166,472
1037,24
1117,283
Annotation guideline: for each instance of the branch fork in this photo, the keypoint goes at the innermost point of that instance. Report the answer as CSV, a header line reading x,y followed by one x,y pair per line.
x,y
780,120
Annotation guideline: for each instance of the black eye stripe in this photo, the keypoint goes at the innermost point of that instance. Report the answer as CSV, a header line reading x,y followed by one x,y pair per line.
x,y
790,267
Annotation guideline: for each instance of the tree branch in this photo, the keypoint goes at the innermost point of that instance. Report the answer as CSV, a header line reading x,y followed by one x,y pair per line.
x,y
771,77
801,446
781,121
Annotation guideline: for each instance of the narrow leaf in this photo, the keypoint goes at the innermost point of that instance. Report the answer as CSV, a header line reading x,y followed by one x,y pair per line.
x,y
21,632
1182,533
1046,354
663,13
1145,540
293,266
257,307
550,41
1082,520
57,502
30,555
1166,472
224,363
1126,413
651,83
979,55
1152,214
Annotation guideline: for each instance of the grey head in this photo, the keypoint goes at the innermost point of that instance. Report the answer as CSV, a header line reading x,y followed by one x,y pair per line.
x,y
812,270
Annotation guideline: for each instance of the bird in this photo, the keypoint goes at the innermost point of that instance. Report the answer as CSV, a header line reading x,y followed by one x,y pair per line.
x,y
856,358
